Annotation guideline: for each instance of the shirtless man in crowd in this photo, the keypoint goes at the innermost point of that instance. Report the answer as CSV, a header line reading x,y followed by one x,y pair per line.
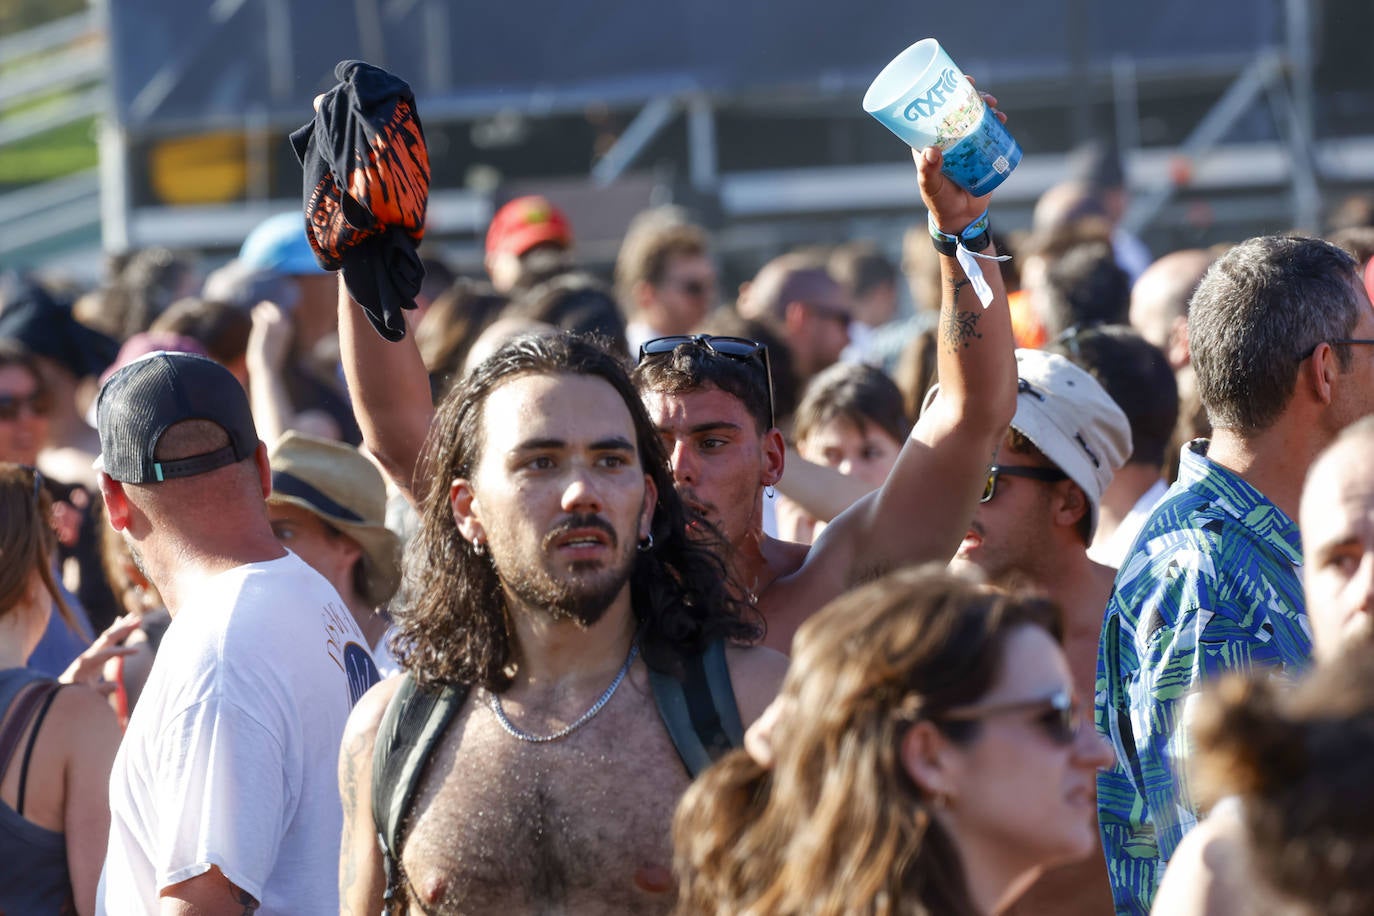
x,y
712,412
554,560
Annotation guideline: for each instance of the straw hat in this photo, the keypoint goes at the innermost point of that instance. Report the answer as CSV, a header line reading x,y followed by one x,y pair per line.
x,y
341,487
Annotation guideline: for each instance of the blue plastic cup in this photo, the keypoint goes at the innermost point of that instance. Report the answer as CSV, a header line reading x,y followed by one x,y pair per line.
x,y
923,98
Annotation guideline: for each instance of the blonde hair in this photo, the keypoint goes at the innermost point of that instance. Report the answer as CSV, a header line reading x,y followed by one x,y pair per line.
x,y
836,824
27,540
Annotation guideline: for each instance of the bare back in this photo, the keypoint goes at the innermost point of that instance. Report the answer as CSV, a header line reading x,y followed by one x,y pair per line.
x,y
576,826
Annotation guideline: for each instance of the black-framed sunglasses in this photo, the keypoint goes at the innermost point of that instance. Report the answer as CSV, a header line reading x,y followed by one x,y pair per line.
x,y
39,404
1057,714
737,348
1335,342
1072,338
1048,475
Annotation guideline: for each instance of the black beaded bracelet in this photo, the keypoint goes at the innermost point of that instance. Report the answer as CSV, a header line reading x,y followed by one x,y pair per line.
x,y
948,244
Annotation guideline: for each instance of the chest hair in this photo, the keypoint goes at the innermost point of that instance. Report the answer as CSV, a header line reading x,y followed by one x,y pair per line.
x,y
579,825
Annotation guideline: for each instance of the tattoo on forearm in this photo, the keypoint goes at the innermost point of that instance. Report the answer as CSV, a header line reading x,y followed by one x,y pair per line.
x,y
956,286
349,791
960,329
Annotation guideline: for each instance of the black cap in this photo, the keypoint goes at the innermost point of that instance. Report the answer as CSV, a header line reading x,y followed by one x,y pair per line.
x,y
46,327
142,400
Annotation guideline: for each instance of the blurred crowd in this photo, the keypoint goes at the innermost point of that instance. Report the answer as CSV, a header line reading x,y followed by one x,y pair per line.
x,y
1032,729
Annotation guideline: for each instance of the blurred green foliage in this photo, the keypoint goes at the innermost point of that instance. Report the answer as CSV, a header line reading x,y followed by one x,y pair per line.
x,y
58,152
67,149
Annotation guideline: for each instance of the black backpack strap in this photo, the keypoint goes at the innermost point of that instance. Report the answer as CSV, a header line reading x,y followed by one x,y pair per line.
x,y
699,709
414,721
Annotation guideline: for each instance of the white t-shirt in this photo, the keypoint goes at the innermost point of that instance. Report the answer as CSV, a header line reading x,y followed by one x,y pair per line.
x,y
231,755
381,654
1114,551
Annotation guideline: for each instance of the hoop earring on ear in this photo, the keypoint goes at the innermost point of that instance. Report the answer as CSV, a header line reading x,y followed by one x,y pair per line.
x,y
647,544
479,547
769,491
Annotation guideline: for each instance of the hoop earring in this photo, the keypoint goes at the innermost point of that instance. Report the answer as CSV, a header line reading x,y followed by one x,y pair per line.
x,y
479,548
769,491
647,544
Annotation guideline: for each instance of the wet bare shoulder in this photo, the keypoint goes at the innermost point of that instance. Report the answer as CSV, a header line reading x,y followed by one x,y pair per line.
x,y
756,672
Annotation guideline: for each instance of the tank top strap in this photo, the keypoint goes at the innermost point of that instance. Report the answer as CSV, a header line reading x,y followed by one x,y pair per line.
x,y
23,698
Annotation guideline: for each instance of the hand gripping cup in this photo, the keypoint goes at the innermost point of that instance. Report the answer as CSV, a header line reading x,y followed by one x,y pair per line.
x,y
923,98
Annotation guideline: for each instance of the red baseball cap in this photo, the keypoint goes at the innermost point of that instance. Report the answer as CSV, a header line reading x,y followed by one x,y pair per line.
x,y
525,222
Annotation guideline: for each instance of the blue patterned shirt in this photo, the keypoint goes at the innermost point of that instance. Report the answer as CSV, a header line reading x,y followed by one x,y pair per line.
x,y
1210,586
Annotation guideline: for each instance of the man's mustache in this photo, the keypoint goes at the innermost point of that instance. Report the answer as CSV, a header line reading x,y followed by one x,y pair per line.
x,y
580,522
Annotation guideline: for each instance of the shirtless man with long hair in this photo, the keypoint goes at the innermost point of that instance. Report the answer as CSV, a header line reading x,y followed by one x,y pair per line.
x,y
554,570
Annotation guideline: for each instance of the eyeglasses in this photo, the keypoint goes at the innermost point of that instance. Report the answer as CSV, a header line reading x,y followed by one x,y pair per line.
x,y
39,404
1336,342
740,349
1057,714
1048,475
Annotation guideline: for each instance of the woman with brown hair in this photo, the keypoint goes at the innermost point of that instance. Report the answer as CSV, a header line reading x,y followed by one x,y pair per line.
x,y
56,746
925,756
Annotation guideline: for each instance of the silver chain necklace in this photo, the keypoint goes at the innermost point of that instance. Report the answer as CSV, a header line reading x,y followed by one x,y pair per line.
x,y
565,731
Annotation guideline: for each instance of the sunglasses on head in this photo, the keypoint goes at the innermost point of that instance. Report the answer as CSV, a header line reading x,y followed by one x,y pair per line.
x,y
1057,715
740,349
11,405
1048,475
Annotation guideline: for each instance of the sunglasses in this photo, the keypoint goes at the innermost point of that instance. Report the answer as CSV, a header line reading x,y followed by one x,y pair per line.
x,y
1072,337
740,349
1335,343
1057,715
696,289
1048,475
11,405
831,313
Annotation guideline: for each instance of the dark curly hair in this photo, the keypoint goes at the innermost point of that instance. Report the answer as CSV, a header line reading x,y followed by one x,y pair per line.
x,y
454,629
